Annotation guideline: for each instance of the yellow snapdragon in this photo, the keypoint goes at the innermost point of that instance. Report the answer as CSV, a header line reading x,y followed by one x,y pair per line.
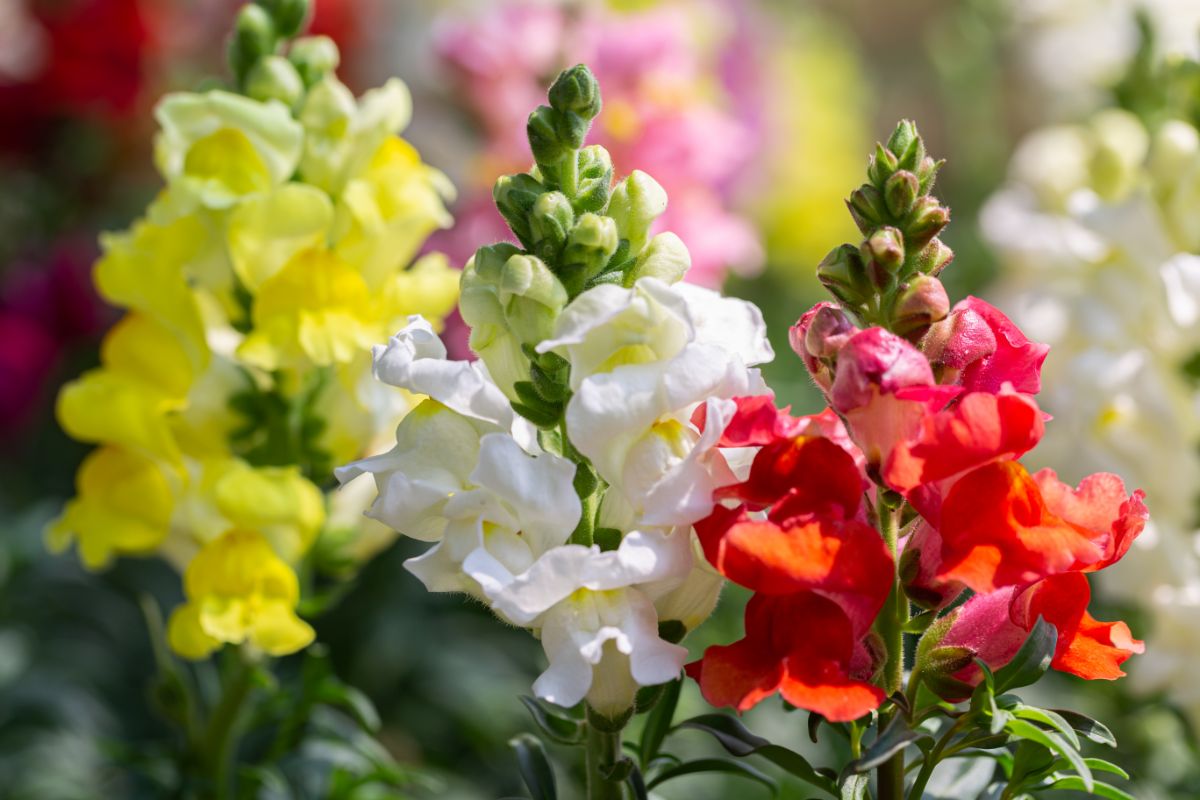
x,y
280,249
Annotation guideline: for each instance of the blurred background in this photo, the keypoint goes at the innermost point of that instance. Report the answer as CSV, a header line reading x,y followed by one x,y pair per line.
x,y
1076,206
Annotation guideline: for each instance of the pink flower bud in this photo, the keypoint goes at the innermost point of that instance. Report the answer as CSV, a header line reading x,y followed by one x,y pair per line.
x,y
923,302
818,334
986,350
875,361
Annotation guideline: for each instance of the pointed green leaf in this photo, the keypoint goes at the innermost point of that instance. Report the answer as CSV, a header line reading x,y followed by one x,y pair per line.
x,y
658,723
723,765
559,728
535,767
894,738
1053,742
1087,727
1047,718
1031,661
1098,788
738,741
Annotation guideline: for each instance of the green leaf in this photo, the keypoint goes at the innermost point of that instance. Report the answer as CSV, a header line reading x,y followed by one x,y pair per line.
x,y
1098,788
1031,661
723,765
1100,765
1087,727
535,767
637,785
538,417
738,741
894,738
351,700
618,771
559,728
1053,742
1047,718
658,723
920,623
855,787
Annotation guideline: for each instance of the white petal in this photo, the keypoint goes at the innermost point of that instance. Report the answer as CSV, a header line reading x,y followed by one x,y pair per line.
x,y
684,494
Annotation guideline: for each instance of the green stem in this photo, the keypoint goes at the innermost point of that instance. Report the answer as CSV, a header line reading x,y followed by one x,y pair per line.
x,y
568,175
890,628
220,738
603,749
931,761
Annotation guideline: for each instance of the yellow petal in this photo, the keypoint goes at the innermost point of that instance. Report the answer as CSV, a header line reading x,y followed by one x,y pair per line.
x,y
278,631
102,406
429,287
265,232
185,635
278,501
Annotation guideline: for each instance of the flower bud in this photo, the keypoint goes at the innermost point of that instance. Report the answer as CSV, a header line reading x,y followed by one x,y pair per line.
x,y
843,273
544,140
636,202
901,192
830,328
479,292
551,219
920,304
666,257
532,298
927,175
905,143
577,91
886,248
290,16
882,165
594,183
274,78
926,221
254,37
590,245
514,196
314,57
818,369
934,257
868,208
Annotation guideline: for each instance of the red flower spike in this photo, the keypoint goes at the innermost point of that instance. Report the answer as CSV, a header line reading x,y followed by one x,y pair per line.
x,y
800,646
1086,647
997,531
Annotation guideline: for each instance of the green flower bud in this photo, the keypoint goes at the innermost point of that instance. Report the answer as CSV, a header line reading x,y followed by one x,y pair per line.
x,y
666,257
576,90
885,247
926,221
900,192
291,16
544,139
844,274
532,298
479,288
920,303
934,257
927,174
868,208
274,78
254,37
549,223
881,167
314,57
514,196
1121,146
594,183
636,202
906,145
590,245
572,129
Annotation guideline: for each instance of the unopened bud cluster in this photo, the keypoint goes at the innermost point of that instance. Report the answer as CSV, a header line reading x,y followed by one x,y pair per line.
x,y
576,230
890,279
260,68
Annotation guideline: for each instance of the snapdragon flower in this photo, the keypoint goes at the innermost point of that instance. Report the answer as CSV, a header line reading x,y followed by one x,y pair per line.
x,y
280,248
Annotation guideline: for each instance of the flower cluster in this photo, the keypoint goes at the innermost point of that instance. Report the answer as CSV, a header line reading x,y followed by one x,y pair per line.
x,y
674,76
278,249
559,475
929,409
1098,230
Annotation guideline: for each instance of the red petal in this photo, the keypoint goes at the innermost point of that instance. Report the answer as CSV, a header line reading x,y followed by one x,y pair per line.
x,y
757,422
1086,647
814,473
738,675
1100,509
997,531
1016,360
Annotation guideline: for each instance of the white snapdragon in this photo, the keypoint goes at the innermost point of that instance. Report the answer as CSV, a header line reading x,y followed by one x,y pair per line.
x,y
642,360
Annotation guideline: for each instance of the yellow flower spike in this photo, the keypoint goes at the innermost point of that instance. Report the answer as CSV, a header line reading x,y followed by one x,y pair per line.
x,y
266,232
385,214
219,147
123,506
278,501
238,590
317,309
